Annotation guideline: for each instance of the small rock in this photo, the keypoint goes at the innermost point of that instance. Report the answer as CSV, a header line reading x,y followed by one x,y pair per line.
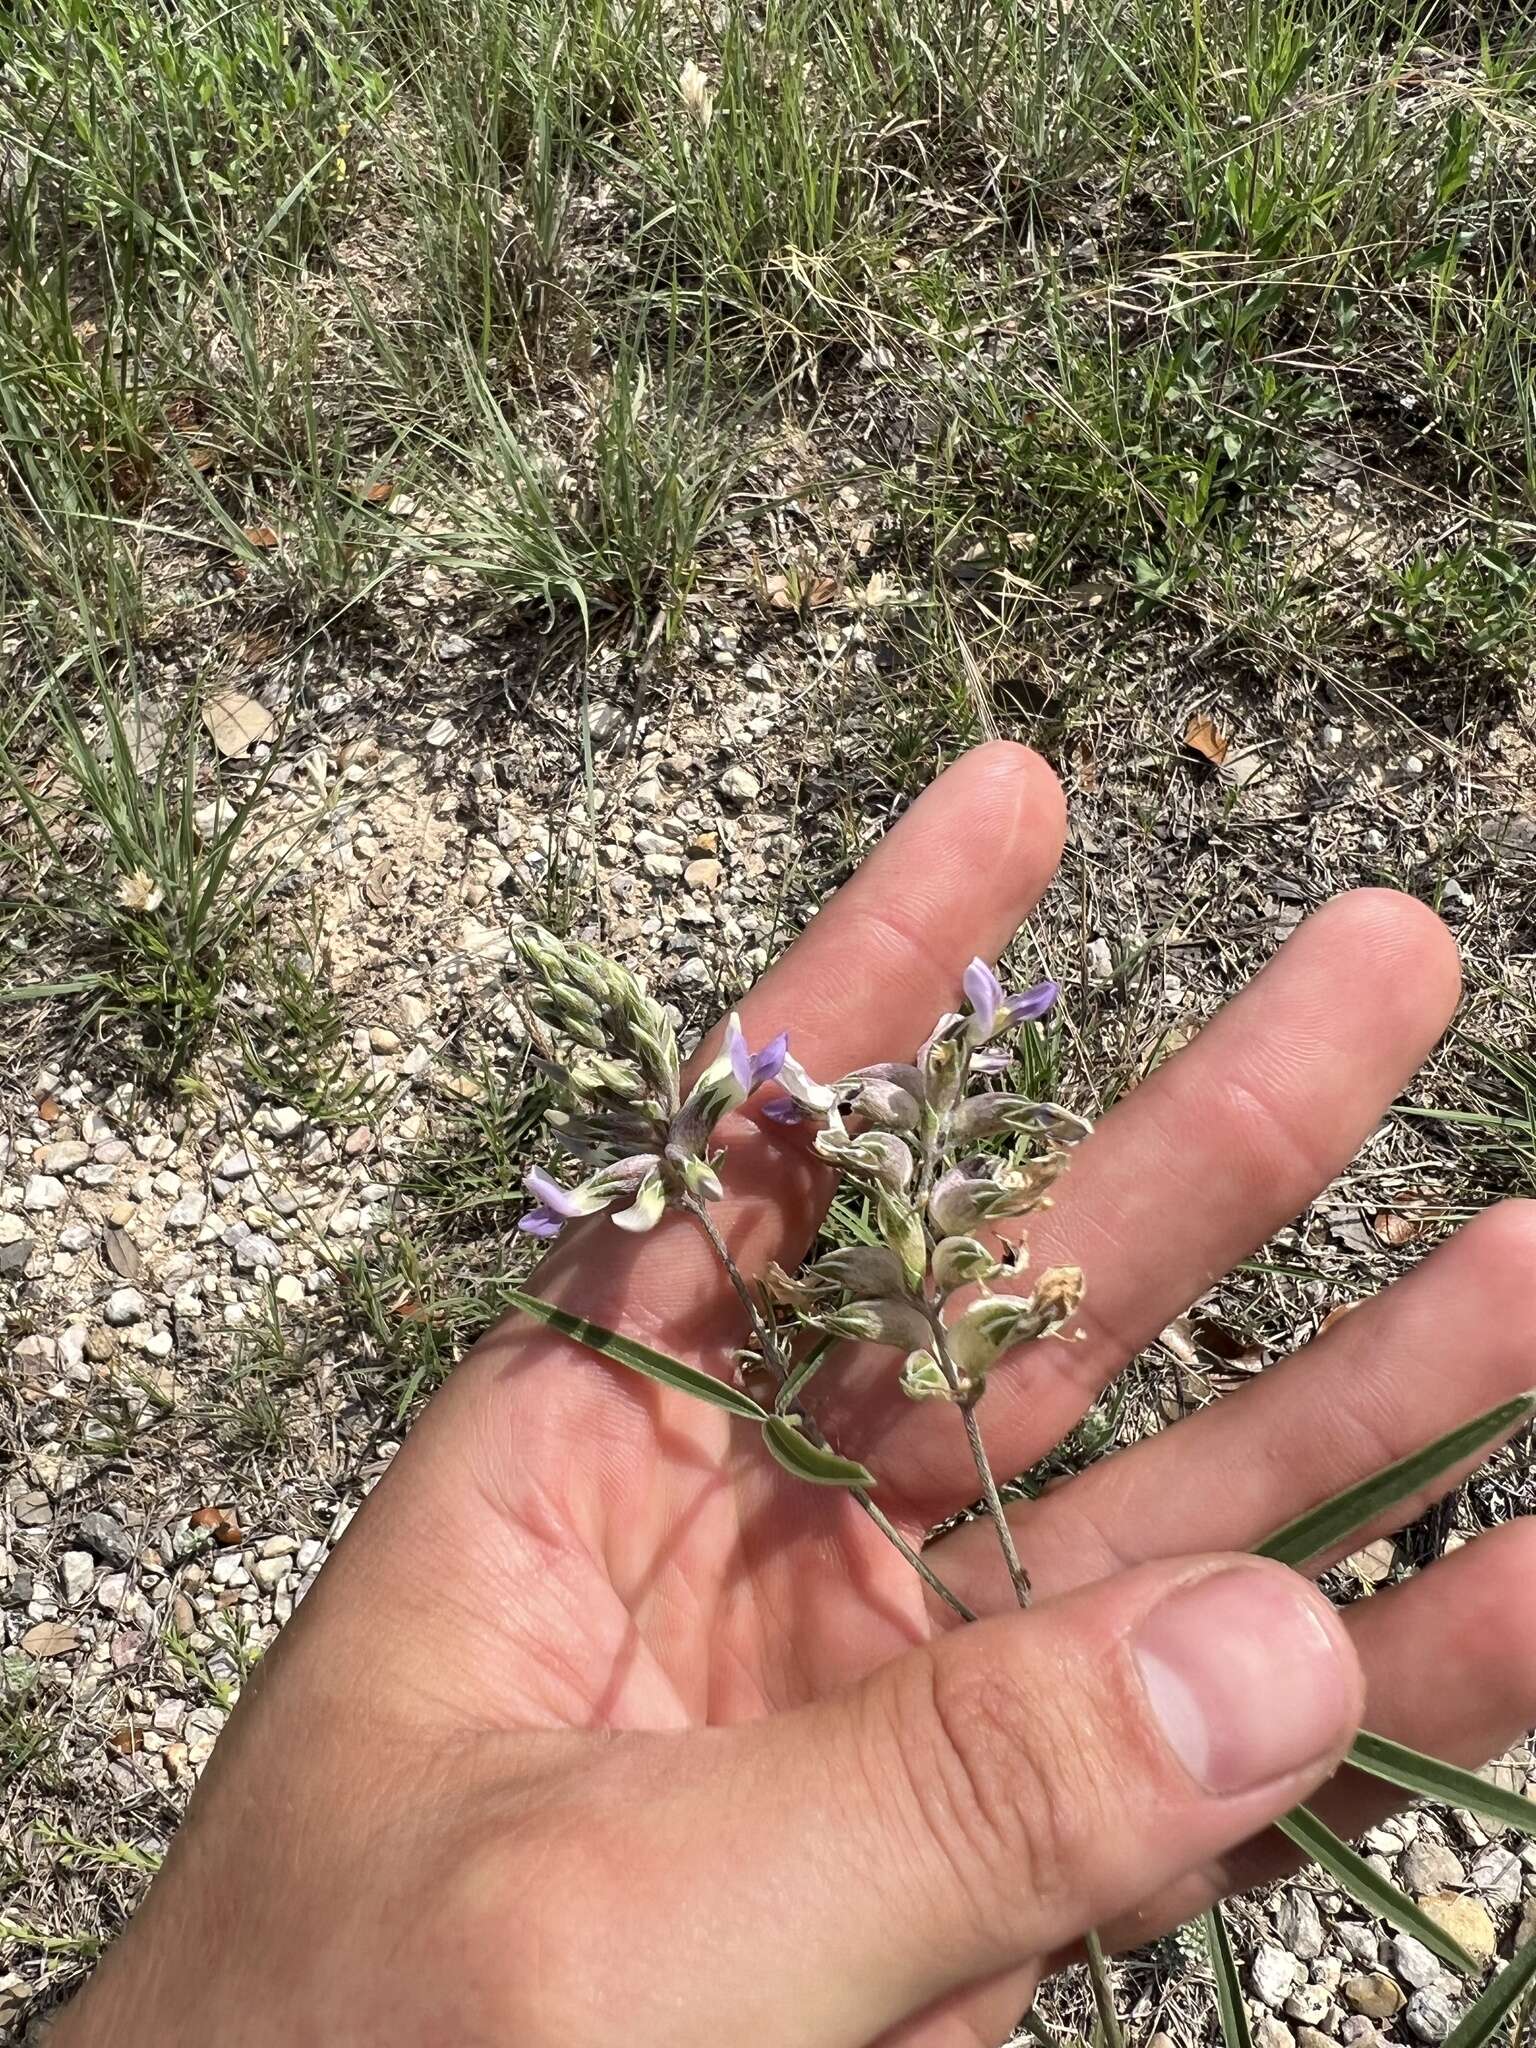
x,y
605,722
270,1572
234,1166
1272,2033
1099,960
188,1213
14,1256
36,1355
1308,2002
1464,1920
382,1039
1431,1866
105,1536
1299,1925
702,874
739,785
1360,2031
112,1592
1375,1994
1309,2037
662,867
75,1237
125,1305
43,1193
256,1253
289,1289
452,647
100,1346
442,732
1495,1874
1274,1973
284,1121
77,1569
1431,2012
64,1156
1414,1963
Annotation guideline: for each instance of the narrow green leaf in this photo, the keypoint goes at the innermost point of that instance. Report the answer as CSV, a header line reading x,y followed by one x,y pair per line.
x,y
1324,1528
797,1454
656,1365
1432,1779
803,1372
1229,1991
1376,1893
1482,2019
37,991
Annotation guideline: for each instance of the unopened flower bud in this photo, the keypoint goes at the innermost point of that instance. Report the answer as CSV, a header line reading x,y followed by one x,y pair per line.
x,y
961,1262
922,1378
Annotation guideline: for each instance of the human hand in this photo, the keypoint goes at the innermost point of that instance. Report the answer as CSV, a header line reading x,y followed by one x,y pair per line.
x,y
600,1728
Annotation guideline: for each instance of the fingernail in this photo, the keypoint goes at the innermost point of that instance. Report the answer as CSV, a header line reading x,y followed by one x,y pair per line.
x,y
1247,1680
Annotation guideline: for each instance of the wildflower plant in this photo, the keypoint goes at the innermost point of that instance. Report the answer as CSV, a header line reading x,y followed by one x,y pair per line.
x,y
942,1154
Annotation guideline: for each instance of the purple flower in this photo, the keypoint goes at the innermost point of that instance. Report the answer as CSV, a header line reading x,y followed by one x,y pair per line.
x,y
554,1201
1031,1004
784,1109
751,1069
541,1222
984,992
555,1206
993,1012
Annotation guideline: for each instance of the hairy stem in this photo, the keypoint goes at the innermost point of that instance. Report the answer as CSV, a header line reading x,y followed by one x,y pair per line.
x,y
914,1557
1018,1577
761,1329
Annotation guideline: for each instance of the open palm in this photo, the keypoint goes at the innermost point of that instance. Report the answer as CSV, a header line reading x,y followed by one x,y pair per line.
x,y
600,1727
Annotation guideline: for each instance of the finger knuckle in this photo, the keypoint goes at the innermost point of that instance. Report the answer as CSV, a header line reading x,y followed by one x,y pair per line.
x,y
982,1781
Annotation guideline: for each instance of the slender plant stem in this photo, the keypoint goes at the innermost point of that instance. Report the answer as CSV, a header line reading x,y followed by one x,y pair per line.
x,y
1103,1991
1018,1577
914,1557
761,1329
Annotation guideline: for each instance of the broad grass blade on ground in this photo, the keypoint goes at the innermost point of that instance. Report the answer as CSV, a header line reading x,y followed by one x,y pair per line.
x,y
1231,2011
1430,1779
1484,2023
1369,1889
1324,1528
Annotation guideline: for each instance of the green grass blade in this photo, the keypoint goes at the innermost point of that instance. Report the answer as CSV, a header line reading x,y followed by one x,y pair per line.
x,y
809,1365
1376,1893
797,1454
38,991
1229,1991
655,1365
1432,1779
1335,1521
1482,2019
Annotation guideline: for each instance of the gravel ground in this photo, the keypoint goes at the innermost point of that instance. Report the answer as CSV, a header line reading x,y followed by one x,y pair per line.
x,y
222,1303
